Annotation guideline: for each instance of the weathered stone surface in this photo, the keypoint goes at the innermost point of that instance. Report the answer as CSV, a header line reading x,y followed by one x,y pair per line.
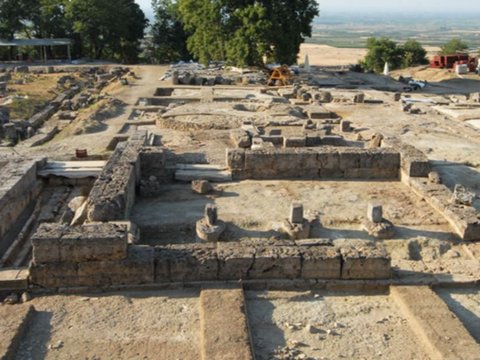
x,y
296,231
192,262
234,260
462,196
113,193
202,186
465,220
93,242
380,230
434,177
320,262
345,126
365,263
54,275
276,262
207,232
240,138
375,213
414,163
294,142
296,213
137,268
323,162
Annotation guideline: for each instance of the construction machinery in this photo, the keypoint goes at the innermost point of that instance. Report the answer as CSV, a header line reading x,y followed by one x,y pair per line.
x,y
452,60
280,76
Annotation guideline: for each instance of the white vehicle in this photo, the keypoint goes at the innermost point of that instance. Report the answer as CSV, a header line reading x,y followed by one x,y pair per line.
x,y
415,85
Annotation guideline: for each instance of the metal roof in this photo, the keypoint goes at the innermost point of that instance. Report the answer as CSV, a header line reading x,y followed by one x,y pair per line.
x,y
35,42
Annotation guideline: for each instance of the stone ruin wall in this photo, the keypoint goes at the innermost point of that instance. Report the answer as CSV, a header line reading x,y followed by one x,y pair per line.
x,y
19,188
314,163
100,253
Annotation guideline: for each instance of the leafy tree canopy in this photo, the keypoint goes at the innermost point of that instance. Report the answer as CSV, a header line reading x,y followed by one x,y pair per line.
x,y
453,46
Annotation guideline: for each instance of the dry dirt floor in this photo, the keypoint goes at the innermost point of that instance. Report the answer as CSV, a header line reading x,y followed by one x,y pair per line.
x,y
329,326
146,325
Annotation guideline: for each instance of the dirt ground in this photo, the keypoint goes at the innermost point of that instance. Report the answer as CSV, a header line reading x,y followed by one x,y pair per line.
x,y
247,209
146,325
329,326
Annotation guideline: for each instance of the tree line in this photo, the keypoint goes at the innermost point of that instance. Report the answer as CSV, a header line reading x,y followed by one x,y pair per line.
x,y
399,56
101,29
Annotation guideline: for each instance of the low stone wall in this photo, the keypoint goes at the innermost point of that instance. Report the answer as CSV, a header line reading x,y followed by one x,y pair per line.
x,y
88,255
465,220
19,187
235,261
113,193
98,255
313,163
414,163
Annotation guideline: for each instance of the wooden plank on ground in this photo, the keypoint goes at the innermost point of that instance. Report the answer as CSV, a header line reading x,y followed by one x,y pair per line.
x,y
224,325
441,332
14,323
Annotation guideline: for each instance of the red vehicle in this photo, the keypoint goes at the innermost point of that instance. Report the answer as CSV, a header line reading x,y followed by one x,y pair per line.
x,y
452,60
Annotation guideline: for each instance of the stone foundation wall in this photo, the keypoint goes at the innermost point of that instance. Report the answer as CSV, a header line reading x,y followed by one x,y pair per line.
x,y
465,220
98,255
414,163
113,193
19,187
313,163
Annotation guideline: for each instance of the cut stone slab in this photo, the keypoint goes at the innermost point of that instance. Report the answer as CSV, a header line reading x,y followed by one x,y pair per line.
x,y
209,233
296,213
375,213
440,331
365,263
296,231
224,326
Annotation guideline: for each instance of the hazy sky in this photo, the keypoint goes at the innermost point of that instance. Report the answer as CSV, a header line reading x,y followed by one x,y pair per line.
x,y
355,6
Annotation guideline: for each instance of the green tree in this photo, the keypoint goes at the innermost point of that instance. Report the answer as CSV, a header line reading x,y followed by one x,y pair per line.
x,y
243,31
49,20
14,16
380,51
453,46
108,28
413,54
168,35
291,22
249,41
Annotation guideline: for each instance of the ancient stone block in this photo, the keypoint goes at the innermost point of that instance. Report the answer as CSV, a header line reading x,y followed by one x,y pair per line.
x,y
46,243
192,262
365,263
320,262
240,138
137,268
276,262
54,275
152,162
94,242
375,212
462,196
201,186
345,126
234,260
292,142
236,159
296,213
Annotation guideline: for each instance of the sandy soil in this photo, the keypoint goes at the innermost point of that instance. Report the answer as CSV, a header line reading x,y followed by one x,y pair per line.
x,y
324,55
329,326
147,325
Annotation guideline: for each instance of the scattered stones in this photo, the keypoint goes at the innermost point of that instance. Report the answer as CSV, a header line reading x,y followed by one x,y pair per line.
x,y
381,230
462,196
345,126
11,299
57,345
201,187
